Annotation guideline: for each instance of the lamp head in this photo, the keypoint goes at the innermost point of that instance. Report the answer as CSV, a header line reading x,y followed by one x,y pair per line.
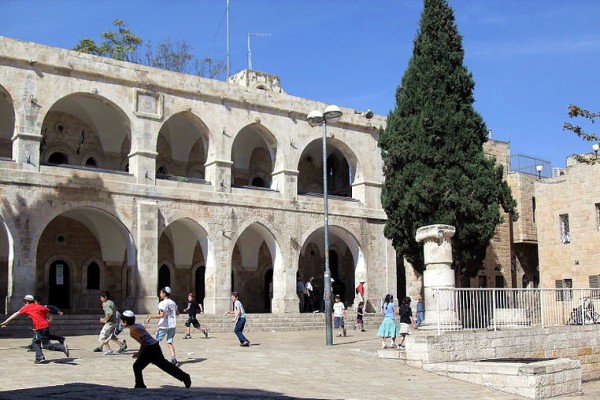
x,y
596,147
332,113
539,168
315,118
369,114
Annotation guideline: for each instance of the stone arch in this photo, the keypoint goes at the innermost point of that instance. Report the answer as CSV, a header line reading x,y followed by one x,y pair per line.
x,y
352,263
83,233
166,275
342,172
254,152
254,251
7,258
84,276
84,123
185,243
183,145
45,289
7,123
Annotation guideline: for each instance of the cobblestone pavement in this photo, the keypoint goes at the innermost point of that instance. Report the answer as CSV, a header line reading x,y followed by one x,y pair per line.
x,y
278,365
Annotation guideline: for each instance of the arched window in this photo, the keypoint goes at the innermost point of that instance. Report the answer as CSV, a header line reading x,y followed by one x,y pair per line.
x,y
58,158
164,277
258,182
93,277
91,162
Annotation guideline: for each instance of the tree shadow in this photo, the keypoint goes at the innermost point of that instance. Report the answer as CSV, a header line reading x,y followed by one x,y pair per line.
x,y
92,391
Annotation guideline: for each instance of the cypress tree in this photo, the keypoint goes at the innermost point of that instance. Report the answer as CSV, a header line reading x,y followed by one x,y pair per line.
x,y
432,147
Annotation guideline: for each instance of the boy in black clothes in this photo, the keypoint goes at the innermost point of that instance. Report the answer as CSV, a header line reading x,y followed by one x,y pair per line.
x,y
192,309
149,352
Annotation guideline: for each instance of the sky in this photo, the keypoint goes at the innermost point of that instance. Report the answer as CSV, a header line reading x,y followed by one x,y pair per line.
x,y
530,59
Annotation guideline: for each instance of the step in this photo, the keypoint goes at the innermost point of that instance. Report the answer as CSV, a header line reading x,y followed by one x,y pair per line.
x,y
88,324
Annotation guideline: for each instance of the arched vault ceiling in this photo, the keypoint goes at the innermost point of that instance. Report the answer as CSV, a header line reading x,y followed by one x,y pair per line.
x,y
110,234
111,128
184,234
182,133
249,243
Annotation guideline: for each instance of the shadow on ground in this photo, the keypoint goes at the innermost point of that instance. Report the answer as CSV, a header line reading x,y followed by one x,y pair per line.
x,y
76,391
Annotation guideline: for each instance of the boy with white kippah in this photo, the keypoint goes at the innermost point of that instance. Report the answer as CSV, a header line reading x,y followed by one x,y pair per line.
x,y
149,353
38,314
167,320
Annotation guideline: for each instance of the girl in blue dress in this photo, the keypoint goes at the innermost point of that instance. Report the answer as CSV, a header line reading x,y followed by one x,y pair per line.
x,y
388,328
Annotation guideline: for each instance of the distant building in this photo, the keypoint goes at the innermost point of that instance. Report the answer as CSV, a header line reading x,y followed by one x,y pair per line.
x,y
568,224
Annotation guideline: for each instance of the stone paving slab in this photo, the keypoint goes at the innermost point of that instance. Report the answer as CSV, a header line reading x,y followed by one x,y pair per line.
x,y
278,365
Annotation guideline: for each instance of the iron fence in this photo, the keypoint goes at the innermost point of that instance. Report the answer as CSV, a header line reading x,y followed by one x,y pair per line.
x,y
493,309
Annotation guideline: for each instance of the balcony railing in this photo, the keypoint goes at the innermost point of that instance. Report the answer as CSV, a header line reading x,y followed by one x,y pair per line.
x,y
494,309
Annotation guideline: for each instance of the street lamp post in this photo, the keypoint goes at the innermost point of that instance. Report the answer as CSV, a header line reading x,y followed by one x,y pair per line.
x,y
596,148
315,118
539,168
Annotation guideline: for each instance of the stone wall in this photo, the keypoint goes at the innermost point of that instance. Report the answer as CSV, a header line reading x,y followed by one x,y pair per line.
x,y
574,342
576,195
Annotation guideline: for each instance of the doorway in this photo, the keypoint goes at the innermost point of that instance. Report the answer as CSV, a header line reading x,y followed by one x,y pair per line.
x,y
59,285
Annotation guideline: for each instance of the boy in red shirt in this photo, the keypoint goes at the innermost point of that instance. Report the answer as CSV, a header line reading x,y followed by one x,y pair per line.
x,y
38,314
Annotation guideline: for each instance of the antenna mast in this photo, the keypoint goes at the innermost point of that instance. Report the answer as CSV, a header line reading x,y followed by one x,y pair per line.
x,y
250,34
228,63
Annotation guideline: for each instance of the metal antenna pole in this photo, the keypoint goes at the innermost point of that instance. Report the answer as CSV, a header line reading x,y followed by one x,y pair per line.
x,y
250,34
228,61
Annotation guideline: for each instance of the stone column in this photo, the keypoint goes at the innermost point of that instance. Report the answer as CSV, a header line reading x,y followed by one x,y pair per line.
x,y
146,279
285,181
438,274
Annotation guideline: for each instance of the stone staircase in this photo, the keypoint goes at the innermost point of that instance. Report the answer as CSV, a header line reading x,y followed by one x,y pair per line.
x,y
88,324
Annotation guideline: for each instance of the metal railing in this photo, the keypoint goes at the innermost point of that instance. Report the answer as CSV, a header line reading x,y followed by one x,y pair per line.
x,y
493,309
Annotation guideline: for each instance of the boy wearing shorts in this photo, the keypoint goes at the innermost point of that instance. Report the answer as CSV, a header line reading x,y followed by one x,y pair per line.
x,y
339,313
192,309
167,316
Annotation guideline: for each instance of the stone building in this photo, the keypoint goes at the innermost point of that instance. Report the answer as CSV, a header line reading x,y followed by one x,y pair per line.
x,y
123,177
568,226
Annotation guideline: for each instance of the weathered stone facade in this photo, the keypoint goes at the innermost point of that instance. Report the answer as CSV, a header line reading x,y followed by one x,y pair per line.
x,y
568,226
123,177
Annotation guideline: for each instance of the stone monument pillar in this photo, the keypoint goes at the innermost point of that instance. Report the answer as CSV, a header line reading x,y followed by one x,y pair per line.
x,y
438,274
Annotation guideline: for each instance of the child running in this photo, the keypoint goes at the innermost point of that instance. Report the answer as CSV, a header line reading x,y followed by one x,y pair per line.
x,y
38,314
239,317
149,353
339,314
192,309
359,317
167,316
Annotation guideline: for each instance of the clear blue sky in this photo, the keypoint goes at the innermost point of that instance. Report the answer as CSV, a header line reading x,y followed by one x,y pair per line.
x,y
530,58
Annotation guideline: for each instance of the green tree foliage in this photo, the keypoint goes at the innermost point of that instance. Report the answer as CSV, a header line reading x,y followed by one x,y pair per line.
x,y
577,112
432,147
124,45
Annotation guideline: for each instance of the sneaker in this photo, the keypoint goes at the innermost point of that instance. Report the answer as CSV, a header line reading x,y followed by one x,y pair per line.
x,y
108,352
97,349
174,362
61,340
362,330
206,333
122,347
245,344
187,336
40,360
187,381
66,350
383,346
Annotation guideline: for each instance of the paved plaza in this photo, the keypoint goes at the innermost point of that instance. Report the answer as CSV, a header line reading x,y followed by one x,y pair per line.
x,y
278,365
